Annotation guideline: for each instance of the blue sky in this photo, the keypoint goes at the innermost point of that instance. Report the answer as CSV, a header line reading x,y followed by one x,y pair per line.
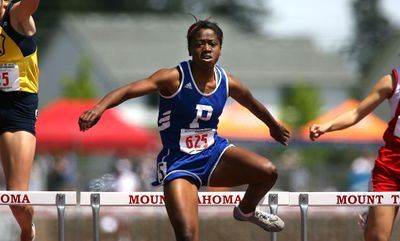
x,y
328,23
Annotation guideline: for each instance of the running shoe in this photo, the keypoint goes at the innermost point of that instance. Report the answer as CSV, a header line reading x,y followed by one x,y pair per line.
x,y
268,222
362,219
33,232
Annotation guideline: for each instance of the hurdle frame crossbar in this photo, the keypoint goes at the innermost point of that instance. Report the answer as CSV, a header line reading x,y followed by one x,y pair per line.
x,y
272,199
319,199
40,198
304,200
157,198
97,199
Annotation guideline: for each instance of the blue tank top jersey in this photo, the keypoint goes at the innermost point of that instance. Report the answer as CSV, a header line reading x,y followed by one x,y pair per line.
x,y
188,119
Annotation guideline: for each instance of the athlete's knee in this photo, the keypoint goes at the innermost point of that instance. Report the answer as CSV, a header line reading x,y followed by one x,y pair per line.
x,y
375,235
270,171
186,234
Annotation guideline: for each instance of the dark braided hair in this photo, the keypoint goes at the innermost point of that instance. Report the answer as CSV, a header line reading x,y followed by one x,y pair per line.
x,y
203,24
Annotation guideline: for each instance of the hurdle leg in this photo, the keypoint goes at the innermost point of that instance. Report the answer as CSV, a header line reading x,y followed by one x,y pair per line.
x,y
60,202
303,201
95,203
273,206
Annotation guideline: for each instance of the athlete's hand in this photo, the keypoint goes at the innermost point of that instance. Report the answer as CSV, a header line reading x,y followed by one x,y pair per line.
x,y
317,130
280,134
88,119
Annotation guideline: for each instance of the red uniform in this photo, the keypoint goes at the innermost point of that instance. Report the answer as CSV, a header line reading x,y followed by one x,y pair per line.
x,y
386,172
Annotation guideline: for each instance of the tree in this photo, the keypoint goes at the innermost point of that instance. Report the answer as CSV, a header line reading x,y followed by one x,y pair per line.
x,y
300,105
80,86
249,15
372,32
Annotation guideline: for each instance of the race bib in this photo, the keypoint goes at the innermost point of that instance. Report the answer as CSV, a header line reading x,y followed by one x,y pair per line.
x,y
9,75
194,141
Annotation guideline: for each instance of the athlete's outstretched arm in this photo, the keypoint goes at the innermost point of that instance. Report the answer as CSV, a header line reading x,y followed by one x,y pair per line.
x,y
21,16
26,8
243,96
382,90
163,80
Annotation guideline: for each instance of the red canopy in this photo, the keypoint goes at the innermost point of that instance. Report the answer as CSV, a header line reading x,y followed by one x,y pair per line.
x,y
368,130
58,130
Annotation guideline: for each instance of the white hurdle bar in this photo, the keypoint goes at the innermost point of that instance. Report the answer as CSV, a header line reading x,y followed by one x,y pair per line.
x,y
59,199
306,199
97,199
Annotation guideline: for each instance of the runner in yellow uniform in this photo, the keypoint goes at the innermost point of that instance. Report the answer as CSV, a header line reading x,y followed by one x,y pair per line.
x,y
18,101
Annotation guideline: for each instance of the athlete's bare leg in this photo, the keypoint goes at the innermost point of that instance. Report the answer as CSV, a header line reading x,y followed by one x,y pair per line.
x,y
17,152
239,166
181,202
380,223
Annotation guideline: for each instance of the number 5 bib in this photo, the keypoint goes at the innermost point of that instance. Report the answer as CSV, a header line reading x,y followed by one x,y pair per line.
x,y
9,74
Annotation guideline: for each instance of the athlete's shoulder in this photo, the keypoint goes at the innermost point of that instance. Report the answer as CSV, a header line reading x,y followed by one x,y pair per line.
x,y
167,79
234,82
21,17
385,86
165,74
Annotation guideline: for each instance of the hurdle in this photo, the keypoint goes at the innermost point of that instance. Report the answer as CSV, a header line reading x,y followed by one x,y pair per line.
x,y
308,199
33,198
98,199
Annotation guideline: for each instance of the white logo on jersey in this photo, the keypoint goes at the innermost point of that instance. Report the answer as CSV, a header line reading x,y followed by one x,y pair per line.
x,y
164,122
188,86
207,109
